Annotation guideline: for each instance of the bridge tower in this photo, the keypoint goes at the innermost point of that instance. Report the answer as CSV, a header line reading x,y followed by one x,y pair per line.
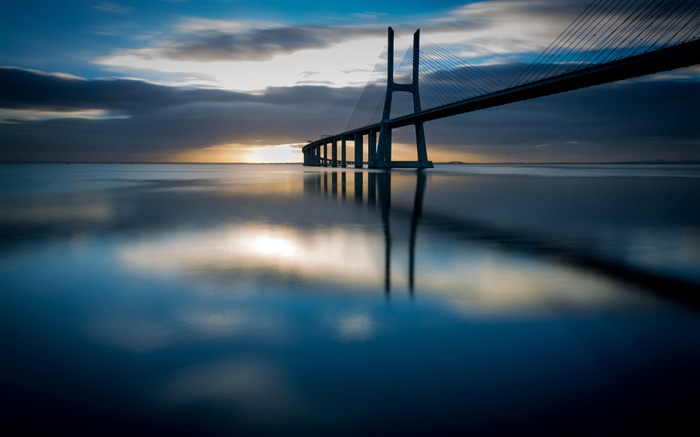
x,y
383,159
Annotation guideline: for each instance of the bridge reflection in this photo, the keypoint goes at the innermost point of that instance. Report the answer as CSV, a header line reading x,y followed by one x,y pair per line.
x,y
372,190
376,196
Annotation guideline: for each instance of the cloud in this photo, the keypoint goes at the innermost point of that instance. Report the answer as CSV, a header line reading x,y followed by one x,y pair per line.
x,y
481,25
646,119
622,121
113,7
52,117
260,44
24,89
251,55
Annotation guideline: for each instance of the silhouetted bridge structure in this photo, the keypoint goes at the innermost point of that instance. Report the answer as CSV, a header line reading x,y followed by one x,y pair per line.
x,y
610,40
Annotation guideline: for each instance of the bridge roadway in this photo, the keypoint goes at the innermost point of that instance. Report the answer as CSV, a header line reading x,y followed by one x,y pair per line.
x,y
670,58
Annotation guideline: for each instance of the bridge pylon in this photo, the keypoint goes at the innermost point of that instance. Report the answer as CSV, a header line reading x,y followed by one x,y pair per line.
x,y
383,158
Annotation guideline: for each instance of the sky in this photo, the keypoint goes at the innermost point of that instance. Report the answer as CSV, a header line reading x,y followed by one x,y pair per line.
x,y
253,81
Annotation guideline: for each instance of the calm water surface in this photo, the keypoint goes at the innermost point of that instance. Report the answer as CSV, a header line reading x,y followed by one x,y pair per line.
x,y
252,299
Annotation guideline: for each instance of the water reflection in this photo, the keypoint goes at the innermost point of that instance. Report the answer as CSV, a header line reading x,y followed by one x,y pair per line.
x,y
378,198
252,301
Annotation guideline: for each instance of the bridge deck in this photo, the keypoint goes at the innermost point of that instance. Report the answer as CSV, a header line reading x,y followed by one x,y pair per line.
x,y
670,58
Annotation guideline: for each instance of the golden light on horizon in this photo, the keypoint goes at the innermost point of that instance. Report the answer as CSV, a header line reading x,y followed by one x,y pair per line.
x,y
274,154
241,153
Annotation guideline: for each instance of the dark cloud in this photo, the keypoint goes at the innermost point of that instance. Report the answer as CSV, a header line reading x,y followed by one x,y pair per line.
x,y
631,120
263,44
625,121
27,89
162,120
259,44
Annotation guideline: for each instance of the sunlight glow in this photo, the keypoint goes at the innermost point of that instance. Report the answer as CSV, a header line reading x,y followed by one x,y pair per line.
x,y
281,153
242,153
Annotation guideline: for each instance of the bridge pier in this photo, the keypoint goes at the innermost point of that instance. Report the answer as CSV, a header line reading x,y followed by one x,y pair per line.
x,y
379,150
358,150
372,148
384,158
343,152
334,153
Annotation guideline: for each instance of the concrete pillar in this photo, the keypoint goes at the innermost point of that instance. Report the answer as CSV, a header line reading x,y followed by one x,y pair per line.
x,y
384,149
343,152
372,148
358,150
325,154
383,158
334,153
421,148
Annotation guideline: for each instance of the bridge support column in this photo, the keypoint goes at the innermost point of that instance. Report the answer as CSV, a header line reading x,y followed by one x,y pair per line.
x,y
343,152
325,154
334,153
384,147
358,150
372,149
421,149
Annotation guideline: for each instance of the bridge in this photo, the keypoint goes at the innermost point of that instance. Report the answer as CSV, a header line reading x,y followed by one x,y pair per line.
x,y
610,40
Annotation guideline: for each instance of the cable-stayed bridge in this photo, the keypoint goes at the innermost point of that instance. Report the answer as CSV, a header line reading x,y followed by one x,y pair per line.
x,y
610,40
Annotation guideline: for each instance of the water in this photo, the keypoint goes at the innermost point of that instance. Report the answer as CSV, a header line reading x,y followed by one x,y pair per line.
x,y
257,299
